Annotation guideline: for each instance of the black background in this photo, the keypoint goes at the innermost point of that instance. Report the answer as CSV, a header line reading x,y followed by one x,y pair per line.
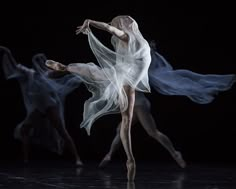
x,y
197,36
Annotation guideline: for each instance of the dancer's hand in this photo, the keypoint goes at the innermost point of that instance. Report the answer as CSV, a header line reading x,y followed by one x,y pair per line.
x,y
84,28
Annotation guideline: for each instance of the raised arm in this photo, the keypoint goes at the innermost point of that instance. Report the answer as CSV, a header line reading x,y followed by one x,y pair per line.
x,y
8,56
103,26
10,65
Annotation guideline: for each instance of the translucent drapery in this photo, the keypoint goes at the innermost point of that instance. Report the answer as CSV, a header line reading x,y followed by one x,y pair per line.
x,y
40,92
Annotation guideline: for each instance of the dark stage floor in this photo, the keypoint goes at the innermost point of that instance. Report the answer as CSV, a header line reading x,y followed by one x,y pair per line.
x,y
40,175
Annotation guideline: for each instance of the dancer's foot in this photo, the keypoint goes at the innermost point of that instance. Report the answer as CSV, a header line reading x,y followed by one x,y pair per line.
x,y
105,161
131,170
55,65
79,163
178,158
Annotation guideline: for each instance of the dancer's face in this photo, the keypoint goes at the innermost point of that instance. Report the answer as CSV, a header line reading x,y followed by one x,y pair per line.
x,y
122,22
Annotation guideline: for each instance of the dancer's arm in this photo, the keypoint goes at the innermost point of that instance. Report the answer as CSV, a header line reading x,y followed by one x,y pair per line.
x,y
8,56
103,26
9,59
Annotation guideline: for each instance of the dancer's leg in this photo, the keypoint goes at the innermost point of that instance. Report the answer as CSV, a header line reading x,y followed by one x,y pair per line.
x,y
25,130
115,144
125,133
54,117
147,121
25,133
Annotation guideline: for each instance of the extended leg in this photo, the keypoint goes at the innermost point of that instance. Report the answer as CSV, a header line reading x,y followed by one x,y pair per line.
x,y
148,123
114,146
55,119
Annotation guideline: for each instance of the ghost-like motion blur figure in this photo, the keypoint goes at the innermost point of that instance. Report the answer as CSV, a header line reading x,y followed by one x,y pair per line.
x,y
43,94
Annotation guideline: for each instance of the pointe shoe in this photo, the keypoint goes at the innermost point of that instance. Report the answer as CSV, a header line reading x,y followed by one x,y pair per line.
x,y
104,162
179,159
79,163
55,65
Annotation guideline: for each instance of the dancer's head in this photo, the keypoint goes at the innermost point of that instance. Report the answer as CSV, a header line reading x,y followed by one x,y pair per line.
x,y
38,61
125,22
39,58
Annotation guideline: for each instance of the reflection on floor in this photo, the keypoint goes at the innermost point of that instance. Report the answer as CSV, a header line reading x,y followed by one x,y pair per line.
x,y
150,175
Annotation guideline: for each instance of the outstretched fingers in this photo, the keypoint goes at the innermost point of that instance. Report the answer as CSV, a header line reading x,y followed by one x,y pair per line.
x,y
79,30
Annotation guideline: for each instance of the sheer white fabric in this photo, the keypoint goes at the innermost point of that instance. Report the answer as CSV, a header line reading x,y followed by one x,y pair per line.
x,y
127,65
